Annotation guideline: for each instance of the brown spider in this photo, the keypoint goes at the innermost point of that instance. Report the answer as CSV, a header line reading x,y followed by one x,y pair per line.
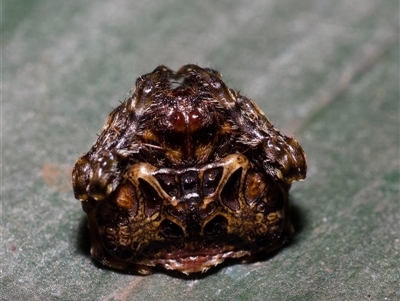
x,y
186,173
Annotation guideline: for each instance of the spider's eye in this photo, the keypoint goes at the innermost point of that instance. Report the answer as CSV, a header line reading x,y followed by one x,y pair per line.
x,y
177,121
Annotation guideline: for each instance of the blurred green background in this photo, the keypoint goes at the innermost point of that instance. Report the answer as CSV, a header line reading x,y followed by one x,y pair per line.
x,y
325,71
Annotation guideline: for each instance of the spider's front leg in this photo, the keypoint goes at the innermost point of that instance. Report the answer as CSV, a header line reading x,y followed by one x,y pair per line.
x,y
282,157
97,173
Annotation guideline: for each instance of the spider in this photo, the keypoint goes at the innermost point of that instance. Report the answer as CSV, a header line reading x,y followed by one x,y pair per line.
x,y
185,174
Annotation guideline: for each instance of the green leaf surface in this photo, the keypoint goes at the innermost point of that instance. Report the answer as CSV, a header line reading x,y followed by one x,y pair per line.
x,y
326,72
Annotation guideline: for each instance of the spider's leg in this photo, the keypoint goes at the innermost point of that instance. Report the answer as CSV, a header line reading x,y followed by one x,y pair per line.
x,y
97,173
281,156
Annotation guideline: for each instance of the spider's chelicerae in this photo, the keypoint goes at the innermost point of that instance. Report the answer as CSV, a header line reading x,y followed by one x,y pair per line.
x,y
186,173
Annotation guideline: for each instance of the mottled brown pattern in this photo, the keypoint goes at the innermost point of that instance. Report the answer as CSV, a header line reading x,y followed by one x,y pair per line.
x,y
186,173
